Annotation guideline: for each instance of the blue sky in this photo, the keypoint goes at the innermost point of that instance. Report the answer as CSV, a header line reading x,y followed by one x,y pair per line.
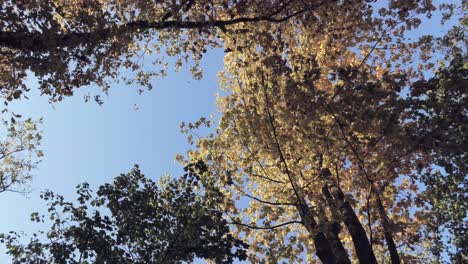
x,y
84,142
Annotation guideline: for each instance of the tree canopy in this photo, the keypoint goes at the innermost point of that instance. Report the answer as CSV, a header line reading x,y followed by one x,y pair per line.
x,y
367,159
68,44
341,136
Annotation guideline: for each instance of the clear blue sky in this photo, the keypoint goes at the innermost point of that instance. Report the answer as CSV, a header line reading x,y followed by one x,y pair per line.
x,y
86,142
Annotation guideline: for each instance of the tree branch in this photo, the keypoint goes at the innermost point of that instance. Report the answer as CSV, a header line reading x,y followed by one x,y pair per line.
x,y
260,200
39,42
265,227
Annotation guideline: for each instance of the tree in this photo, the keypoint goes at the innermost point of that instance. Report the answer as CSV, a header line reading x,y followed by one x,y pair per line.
x,y
133,220
328,148
277,145
19,153
333,173
71,44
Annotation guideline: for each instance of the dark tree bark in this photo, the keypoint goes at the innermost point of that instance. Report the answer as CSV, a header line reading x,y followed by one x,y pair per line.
x,y
334,229
361,243
36,41
322,244
387,232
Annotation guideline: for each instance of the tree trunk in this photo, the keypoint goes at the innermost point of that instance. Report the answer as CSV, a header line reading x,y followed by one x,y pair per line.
x,y
387,232
322,245
334,229
358,234
361,243
323,248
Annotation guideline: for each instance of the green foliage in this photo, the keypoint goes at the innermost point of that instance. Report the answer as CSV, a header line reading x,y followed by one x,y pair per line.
x,y
133,220
19,153
441,107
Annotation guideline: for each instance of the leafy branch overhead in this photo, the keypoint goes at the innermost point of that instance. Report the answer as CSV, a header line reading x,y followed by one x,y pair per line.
x,y
74,43
69,44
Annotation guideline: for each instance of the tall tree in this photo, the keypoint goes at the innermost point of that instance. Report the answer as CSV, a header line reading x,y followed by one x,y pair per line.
x,y
325,143
278,143
348,169
133,220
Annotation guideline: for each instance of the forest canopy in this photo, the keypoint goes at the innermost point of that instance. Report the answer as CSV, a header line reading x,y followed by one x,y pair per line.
x,y
341,134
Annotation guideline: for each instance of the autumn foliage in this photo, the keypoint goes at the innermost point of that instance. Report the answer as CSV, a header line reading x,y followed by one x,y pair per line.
x,y
341,136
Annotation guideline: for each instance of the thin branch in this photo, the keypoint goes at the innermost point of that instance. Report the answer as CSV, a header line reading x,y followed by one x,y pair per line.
x,y
278,146
353,149
266,227
6,154
260,200
368,55
369,223
86,243
266,178
308,183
